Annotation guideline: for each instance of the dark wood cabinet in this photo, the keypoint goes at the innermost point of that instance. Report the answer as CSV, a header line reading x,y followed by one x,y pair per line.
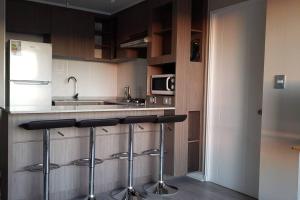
x,y
28,17
60,33
132,23
72,34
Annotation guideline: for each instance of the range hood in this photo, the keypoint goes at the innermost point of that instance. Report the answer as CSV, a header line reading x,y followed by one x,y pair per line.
x,y
137,43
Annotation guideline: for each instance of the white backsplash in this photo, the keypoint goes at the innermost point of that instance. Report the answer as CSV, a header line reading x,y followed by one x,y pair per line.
x,y
133,74
94,79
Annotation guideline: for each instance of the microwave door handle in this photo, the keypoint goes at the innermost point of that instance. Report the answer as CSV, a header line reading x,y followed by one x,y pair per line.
x,y
167,83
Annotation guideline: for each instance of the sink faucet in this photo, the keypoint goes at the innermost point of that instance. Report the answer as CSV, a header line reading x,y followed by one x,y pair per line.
x,y
127,93
75,96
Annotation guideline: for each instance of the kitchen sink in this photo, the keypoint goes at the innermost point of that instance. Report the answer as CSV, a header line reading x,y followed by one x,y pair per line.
x,y
81,102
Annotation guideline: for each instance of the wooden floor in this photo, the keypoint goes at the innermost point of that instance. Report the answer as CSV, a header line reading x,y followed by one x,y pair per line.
x,y
190,189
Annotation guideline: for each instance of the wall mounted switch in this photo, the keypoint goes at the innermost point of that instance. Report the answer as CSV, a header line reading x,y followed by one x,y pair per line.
x,y
280,82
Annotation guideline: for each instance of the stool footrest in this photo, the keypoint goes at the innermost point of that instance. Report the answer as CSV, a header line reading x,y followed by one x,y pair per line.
x,y
39,167
122,155
152,152
84,162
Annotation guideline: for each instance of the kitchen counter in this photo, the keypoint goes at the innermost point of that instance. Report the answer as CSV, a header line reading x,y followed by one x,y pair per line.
x,y
117,105
84,108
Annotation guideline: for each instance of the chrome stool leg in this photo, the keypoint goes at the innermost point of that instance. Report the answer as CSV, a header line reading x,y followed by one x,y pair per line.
x,y
161,188
92,156
129,193
46,163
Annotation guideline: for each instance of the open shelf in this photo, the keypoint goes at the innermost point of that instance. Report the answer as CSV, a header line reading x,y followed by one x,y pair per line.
x,y
104,39
196,31
193,157
168,68
164,31
197,16
161,30
195,142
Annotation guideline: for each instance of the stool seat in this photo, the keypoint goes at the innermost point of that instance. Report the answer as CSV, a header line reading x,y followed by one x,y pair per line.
x,y
171,118
138,119
49,124
97,122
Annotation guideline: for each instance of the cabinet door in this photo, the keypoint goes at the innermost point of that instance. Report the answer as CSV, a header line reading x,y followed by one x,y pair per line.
x,y
61,32
131,24
82,35
27,17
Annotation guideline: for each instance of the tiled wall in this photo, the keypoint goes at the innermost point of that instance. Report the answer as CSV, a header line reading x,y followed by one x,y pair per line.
x,y
99,79
94,79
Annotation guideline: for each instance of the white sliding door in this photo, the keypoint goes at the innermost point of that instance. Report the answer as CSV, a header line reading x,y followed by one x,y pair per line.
x,y
235,96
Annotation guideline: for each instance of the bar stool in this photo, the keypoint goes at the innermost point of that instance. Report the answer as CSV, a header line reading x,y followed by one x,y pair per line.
x,y
129,193
162,188
92,161
46,125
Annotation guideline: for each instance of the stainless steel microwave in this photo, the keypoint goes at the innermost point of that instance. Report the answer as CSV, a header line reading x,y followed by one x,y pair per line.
x,y
163,84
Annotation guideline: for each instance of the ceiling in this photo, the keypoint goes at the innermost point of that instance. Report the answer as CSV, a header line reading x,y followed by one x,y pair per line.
x,y
107,7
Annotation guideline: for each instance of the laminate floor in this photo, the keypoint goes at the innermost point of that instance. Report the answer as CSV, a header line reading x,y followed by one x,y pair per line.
x,y
191,189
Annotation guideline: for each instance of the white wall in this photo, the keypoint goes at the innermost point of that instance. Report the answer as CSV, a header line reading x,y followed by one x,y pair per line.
x,y
133,74
281,108
94,79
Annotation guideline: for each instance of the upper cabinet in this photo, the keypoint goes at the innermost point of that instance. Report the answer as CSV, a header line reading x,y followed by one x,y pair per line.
x,y
72,34
60,33
132,24
28,17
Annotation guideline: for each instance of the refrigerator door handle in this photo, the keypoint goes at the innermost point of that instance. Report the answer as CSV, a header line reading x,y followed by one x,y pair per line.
x,y
26,82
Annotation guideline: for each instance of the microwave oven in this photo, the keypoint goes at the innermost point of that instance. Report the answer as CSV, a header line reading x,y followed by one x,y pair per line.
x,y
163,84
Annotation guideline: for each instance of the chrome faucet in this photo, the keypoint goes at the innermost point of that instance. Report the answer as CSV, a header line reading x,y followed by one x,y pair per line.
x,y
127,93
76,94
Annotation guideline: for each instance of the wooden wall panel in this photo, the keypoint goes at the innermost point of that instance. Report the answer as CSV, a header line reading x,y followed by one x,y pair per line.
x,y
183,36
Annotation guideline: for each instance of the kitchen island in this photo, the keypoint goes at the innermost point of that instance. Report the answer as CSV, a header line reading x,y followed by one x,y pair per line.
x,y
21,149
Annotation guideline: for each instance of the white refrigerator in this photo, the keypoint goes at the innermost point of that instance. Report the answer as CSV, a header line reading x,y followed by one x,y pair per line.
x,y
30,72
